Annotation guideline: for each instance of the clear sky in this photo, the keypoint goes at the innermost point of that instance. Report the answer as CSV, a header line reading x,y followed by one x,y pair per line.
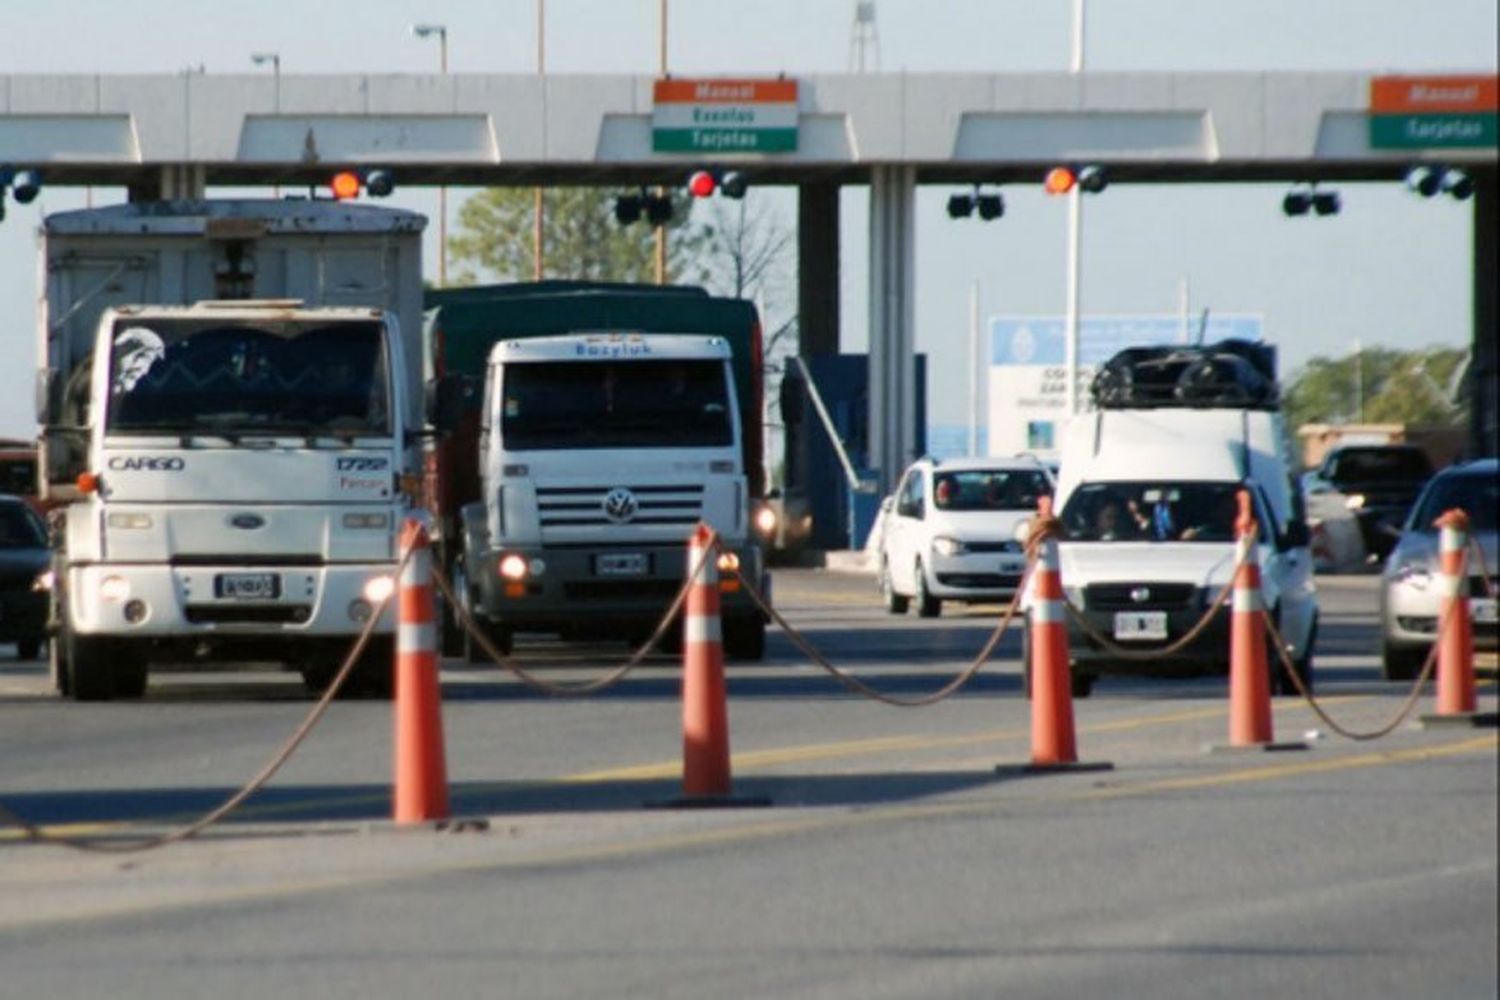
x,y
1391,270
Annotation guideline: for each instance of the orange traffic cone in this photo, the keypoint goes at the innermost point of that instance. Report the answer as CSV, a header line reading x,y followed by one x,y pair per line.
x,y
421,774
705,711
1457,696
1249,668
1053,741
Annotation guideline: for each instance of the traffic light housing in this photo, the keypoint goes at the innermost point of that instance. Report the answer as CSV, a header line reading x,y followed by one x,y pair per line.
x,y
26,185
1089,179
729,183
347,184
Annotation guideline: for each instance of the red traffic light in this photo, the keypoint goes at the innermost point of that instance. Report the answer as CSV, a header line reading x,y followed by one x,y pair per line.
x,y
702,184
345,185
1060,180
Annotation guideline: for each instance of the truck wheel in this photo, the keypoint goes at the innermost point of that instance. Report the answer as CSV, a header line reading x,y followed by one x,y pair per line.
x,y
375,673
57,664
27,649
91,675
453,629
131,671
927,605
745,638
1398,663
895,603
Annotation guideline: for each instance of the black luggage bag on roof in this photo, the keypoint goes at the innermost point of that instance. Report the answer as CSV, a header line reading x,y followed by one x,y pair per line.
x,y
1230,373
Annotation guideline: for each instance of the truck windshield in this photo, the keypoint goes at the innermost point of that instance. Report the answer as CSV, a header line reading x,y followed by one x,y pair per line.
x,y
1151,512
608,404
186,376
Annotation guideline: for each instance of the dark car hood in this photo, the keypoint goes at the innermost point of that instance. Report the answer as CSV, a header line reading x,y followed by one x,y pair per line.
x,y
23,564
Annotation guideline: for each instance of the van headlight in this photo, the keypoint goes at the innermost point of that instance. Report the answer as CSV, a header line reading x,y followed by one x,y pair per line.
x,y
378,588
945,546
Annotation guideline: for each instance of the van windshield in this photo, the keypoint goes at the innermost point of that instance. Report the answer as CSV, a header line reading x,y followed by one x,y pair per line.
x,y
178,376
1151,512
609,404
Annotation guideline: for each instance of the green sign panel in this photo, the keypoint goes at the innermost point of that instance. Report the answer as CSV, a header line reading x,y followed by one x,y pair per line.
x,y
723,140
1433,131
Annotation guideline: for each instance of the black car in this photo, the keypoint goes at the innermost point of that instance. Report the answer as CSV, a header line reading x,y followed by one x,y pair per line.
x,y
24,556
1379,483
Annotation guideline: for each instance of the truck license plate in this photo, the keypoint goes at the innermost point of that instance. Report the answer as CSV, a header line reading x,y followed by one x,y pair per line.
x,y
1482,610
620,564
1140,625
247,586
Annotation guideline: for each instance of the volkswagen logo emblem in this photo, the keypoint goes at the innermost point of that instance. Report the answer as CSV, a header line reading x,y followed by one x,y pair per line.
x,y
1140,595
620,505
247,522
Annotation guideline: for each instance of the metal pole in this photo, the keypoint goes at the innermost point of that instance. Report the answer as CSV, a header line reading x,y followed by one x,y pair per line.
x,y
538,207
1075,65
661,231
974,373
1075,233
443,191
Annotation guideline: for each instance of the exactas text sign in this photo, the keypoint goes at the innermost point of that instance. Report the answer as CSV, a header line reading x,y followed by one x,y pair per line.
x,y
724,116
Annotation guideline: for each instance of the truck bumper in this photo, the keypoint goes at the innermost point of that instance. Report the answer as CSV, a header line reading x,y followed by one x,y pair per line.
x,y
575,593
165,602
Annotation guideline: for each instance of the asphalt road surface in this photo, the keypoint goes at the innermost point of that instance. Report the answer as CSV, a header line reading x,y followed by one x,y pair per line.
x,y
894,860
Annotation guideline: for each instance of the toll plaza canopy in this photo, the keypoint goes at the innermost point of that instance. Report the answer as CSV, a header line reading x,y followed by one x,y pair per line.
x,y
170,136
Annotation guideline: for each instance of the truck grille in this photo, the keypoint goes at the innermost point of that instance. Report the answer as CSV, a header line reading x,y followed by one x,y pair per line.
x,y
239,614
583,506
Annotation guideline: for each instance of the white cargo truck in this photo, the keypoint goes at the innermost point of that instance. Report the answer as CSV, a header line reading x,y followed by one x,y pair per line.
x,y
598,455
230,400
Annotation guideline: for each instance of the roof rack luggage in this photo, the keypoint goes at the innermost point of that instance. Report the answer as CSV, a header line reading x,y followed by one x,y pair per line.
x,y
1231,373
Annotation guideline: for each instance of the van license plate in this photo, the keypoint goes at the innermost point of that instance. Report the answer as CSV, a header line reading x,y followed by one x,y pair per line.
x,y
1140,625
1482,610
620,564
247,586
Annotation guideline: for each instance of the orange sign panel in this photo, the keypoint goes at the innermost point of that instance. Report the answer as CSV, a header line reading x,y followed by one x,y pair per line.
x,y
1433,94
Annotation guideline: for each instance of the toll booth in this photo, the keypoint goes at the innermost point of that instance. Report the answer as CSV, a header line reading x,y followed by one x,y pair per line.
x,y
816,486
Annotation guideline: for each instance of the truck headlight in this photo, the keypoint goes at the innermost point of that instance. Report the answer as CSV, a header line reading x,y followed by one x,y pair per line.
x,y
378,588
765,521
728,562
513,567
945,546
114,588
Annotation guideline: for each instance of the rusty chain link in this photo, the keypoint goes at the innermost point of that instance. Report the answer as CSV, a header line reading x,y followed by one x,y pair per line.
x,y
34,833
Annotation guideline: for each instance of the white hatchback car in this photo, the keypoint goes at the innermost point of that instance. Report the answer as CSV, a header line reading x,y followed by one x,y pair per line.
x,y
949,531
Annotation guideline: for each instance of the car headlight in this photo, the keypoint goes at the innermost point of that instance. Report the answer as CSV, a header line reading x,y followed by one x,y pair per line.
x,y
43,581
1415,575
765,521
945,546
1355,501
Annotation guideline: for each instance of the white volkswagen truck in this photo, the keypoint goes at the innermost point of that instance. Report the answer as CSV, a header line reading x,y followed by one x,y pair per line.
x,y
598,455
230,418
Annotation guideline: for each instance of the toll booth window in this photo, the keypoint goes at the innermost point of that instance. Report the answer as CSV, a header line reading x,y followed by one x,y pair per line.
x,y
608,404
192,376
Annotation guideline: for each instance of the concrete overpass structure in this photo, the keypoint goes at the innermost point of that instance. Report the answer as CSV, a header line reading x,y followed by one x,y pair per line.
x,y
174,135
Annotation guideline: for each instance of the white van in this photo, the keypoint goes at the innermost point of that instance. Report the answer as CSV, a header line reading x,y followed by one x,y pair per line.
x,y
1147,501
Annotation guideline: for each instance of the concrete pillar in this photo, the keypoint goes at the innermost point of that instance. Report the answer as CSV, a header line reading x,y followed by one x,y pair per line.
x,y
892,428
818,268
1484,373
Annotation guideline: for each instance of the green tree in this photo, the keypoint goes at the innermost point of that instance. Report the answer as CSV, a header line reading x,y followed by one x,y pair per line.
x,y
492,240
1380,386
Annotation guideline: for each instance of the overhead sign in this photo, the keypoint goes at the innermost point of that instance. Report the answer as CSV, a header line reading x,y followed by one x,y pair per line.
x,y
1433,112
1028,377
724,116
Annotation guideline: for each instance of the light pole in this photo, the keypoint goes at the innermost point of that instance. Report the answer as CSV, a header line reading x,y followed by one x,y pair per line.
x,y
1075,234
661,230
441,31
538,207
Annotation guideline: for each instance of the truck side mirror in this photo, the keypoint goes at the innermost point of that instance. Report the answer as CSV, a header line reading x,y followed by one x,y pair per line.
x,y
446,399
46,395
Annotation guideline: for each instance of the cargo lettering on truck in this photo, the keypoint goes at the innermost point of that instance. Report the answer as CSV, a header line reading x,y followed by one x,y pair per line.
x,y
147,463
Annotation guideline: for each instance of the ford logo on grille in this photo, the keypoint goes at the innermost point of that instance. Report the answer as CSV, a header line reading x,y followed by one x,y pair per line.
x,y
1140,595
620,505
247,522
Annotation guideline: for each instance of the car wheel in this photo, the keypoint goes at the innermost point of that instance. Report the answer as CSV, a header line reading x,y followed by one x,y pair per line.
x,y
745,638
927,605
1081,685
27,649
1401,663
895,603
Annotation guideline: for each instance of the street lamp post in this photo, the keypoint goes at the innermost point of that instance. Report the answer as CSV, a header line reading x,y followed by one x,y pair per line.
x,y
661,230
539,207
1075,234
441,31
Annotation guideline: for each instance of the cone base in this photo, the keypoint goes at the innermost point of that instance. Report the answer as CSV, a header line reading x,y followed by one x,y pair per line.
x,y
1460,720
710,802
1058,768
1269,746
